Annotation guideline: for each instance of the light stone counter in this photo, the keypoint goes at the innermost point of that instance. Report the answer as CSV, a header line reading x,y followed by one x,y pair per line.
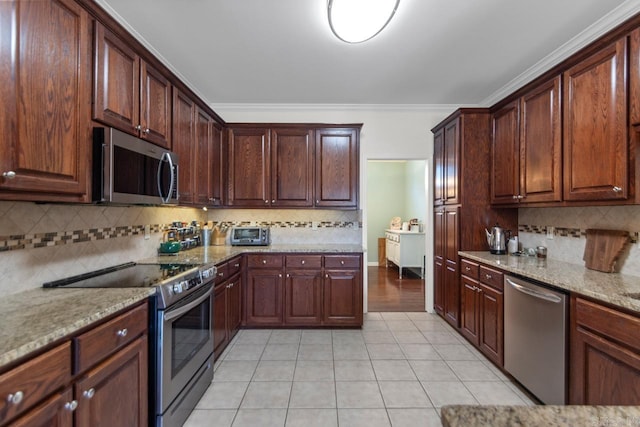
x,y
613,288
35,318
547,416
218,254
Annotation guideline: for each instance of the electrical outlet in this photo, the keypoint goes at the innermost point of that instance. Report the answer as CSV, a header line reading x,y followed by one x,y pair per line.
x,y
550,232
147,232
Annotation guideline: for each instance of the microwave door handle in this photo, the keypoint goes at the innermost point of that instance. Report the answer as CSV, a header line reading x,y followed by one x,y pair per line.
x,y
168,157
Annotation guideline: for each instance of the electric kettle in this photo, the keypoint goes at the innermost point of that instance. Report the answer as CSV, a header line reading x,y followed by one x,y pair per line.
x,y
497,240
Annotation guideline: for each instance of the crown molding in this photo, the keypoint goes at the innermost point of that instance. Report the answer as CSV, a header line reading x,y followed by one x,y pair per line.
x,y
605,24
336,107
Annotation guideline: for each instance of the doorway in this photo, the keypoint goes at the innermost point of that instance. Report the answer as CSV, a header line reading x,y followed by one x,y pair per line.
x,y
395,188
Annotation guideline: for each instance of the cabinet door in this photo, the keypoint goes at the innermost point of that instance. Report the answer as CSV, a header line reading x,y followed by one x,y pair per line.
x,y
491,312
183,137
292,167
203,170
52,413
505,155
155,106
451,162
216,163
115,392
342,294
438,271
116,90
541,144
264,297
249,167
220,328
596,148
336,179
451,279
234,306
303,297
438,167
45,131
604,366
469,313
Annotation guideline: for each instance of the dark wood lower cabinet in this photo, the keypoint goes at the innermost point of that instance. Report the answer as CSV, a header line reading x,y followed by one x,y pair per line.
x,y
220,337
469,312
491,309
52,413
227,305
303,297
604,366
342,297
264,297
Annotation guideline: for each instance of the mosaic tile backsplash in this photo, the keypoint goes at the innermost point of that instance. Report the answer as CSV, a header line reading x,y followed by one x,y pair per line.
x,y
570,225
43,242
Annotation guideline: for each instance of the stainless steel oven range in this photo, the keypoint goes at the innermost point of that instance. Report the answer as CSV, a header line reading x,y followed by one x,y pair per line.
x,y
180,328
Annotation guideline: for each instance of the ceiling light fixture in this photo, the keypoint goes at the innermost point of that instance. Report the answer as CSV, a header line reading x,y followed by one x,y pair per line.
x,y
356,21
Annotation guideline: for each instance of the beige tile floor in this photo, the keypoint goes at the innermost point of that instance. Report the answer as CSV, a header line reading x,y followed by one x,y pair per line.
x,y
397,371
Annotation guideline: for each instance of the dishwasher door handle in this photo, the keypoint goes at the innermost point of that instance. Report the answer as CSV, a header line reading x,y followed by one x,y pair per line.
x,y
540,295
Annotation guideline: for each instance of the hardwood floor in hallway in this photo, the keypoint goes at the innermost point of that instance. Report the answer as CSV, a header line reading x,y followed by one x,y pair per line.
x,y
388,293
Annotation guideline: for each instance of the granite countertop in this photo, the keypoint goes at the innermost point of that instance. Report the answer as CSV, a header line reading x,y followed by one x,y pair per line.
x,y
613,288
547,416
218,254
35,318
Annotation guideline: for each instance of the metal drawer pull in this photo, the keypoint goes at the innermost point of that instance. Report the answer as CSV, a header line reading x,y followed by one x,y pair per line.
x,y
288,275
302,262
264,261
488,276
122,332
467,268
279,275
71,406
15,398
236,265
326,275
9,175
88,394
535,294
221,274
341,262
617,189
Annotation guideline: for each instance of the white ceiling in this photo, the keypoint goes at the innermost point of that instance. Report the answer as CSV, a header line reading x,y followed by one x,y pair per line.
x,y
455,52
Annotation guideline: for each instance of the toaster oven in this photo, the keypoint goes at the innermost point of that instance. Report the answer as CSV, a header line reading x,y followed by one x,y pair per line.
x,y
250,236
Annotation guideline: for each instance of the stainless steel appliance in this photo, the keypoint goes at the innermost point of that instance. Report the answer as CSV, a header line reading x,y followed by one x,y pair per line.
x,y
497,240
181,323
250,236
130,170
535,324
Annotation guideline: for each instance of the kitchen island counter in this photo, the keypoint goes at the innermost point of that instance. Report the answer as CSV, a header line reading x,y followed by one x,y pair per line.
x,y
613,288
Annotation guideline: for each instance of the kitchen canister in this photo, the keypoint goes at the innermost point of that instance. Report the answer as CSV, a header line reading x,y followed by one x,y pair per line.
x,y
512,245
405,226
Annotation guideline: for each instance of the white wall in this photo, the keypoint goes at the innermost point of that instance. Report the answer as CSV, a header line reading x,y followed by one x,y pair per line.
x,y
387,133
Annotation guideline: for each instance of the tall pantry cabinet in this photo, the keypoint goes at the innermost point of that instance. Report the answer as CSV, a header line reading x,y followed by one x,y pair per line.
x,y
461,201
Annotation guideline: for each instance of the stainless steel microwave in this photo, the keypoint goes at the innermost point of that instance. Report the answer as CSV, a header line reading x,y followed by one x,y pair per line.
x,y
130,170
250,236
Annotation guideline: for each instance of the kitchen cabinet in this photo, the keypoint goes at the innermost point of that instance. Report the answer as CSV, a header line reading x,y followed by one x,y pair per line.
x,y
184,110
45,121
303,290
596,146
292,155
482,309
337,172
227,304
465,210
129,94
405,249
604,357
98,377
527,148
249,181
217,166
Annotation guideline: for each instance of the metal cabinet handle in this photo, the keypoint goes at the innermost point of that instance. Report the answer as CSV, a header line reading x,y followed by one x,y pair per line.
x,y
341,262
138,127
467,268
280,275
71,406
617,189
514,197
147,130
302,262
221,274
237,265
288,275
264,261
9,174
122,332
228,286
88,394
273,201
266,201
15,398
488,276
317,200
326,276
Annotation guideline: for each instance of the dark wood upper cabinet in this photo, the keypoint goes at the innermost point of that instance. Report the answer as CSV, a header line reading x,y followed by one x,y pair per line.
x,y
292,155
446,158
183,145
438,167
216,166
337,161
505,156
249,167
128,93
596,147
527,148
45,66
202,145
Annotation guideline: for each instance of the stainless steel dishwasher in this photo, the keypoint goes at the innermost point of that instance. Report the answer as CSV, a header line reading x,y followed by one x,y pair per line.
x,y
535,321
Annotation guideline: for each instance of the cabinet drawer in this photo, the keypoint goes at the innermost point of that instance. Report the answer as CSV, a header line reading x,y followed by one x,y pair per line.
x,y
234,266
101,341
34,380
469,268
266,261
304,261
342,261
222,273
607,322
491,277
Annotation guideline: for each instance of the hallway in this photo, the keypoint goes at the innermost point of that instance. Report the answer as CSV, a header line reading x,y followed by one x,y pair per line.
x,y
388,293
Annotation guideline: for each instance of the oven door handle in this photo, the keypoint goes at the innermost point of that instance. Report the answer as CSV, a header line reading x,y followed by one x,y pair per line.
x,y
172,314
